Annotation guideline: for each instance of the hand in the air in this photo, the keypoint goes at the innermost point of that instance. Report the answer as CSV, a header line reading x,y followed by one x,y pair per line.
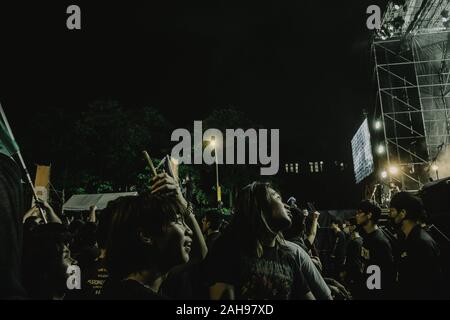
x,y
165,185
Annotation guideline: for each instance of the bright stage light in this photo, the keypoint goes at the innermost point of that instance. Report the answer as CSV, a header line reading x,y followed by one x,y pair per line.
x,y
445,17
393,170
398,4
434,167
381,149
377,125
384,174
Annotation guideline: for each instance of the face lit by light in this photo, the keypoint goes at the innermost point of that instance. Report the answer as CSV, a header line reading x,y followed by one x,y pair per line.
x,y
395,215
280,218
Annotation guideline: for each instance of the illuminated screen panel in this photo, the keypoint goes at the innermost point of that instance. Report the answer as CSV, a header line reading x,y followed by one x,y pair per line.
x,y
362,153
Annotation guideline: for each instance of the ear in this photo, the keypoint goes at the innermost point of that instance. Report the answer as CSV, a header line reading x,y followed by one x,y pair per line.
x,y
145,238
402,213
369,215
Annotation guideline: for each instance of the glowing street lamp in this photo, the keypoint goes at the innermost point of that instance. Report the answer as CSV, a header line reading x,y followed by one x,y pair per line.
x,y
213,144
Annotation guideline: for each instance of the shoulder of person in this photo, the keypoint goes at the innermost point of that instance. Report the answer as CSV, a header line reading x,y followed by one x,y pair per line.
x,y
382,239
424,236
291,246
354,243
225,252
296,250
425,244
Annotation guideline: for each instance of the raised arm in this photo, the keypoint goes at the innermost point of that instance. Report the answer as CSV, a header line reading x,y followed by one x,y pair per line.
x,y
92,214
166,185
315,224
30,213
52,217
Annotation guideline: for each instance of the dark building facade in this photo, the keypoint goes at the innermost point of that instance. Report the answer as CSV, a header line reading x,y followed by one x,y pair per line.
x,y
329,184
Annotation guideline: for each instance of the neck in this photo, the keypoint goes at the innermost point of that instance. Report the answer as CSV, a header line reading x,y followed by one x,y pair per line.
x,y
370,227
102,253
407,227
355,235
270,242
148,278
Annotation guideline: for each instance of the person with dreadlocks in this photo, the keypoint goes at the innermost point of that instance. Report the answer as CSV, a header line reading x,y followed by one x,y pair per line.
x,y
253,261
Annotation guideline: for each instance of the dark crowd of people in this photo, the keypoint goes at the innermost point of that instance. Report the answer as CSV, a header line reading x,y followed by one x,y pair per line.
x,y
153,246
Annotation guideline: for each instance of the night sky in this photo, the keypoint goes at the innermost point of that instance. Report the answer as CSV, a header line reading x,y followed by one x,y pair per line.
x,y
301,66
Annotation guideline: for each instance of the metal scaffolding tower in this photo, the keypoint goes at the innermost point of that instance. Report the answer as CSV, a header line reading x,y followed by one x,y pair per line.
x,y
412,60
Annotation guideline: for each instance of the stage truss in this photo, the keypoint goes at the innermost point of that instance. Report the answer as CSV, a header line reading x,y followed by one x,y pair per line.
x,y
413,79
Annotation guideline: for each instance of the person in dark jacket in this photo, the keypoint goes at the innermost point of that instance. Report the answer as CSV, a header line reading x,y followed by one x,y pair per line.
x,y
211,224
420,274
11,211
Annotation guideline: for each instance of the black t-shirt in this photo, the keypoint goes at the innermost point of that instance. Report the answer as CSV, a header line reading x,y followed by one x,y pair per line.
x,y
420,274
354,261
276,275
187,282
93,278
339,248
300,241
87,256
211,239
376,251
396,241
129,290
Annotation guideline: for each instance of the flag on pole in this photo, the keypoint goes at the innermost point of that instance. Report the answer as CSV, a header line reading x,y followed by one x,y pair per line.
x,y
8,145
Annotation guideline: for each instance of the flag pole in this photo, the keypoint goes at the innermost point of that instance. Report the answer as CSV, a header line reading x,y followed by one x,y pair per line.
x,y
22,162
